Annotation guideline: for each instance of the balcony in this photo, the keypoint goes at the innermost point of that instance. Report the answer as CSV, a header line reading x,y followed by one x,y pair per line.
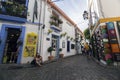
x,y
13,8
56,23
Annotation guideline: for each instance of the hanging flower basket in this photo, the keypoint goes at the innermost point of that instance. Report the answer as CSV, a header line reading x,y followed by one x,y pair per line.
x,y
53,23
49,31
60,21
71,38
65,34
61,35
55,20
68,37
54,17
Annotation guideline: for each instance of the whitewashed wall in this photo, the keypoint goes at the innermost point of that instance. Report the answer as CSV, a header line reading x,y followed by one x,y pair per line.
x,y
110,8
45,43
70,29
40,10
105,8
29,28
65,28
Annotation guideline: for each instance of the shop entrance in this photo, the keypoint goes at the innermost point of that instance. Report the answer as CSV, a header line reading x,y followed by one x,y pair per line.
x,y
10,54
55,45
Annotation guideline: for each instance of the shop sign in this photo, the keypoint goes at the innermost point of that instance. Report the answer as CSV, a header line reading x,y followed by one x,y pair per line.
x,y
30,47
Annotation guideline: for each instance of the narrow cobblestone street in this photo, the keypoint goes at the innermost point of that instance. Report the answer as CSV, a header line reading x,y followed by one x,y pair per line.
x,y
72,68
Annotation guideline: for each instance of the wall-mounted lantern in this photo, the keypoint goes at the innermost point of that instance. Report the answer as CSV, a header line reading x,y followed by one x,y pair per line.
x,y
85,15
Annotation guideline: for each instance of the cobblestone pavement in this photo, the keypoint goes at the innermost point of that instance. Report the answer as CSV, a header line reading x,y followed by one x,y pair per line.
x,y
72,68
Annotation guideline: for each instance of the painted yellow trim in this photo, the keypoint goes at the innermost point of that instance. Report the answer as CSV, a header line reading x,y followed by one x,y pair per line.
x,y
103,20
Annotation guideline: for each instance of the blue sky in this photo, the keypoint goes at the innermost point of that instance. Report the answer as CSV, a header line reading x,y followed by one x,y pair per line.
x,y
74,9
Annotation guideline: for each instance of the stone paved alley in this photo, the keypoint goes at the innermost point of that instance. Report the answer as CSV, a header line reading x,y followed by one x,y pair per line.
x,y
72,68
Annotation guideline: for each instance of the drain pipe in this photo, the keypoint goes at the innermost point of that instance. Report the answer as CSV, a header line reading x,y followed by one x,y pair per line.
x,y
42,28
39,28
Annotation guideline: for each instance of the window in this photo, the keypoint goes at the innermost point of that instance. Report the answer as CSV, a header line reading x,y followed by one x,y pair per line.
x,y
72,46
63,44
68,46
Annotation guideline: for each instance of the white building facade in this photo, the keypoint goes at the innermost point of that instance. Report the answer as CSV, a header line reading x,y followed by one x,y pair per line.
x,y
33,28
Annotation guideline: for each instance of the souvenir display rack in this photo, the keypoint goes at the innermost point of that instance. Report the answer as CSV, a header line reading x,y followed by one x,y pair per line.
x,y
105,44
115,50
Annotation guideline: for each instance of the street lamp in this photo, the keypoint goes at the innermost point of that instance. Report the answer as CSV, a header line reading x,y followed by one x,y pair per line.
x,y
85,15
91,16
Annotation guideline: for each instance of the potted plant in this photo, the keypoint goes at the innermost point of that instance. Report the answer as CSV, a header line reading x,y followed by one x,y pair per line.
x,y
65,34
68,37
49,31
54,17
61,55
53,23
61,35
50,49
71,38
60,21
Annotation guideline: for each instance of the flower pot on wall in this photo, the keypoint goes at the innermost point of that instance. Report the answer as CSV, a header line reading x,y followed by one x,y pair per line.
x,y
50,58
68,37
49,31
63,34
61,55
